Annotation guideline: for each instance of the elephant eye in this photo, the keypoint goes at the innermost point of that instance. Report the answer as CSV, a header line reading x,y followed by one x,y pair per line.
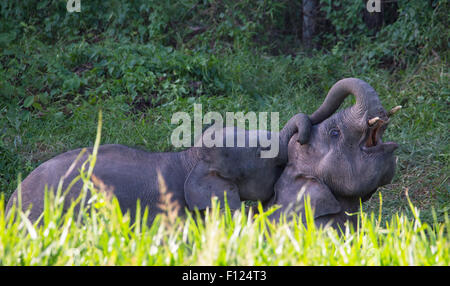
x,y
335,132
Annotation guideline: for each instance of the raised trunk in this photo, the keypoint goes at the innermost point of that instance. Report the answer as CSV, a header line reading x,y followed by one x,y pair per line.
x,y
366,100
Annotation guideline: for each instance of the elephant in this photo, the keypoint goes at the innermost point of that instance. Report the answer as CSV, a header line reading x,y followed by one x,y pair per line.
x,y
192,176
343,161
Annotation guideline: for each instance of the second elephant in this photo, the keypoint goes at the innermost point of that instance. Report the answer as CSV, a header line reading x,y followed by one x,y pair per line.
x,y
192,176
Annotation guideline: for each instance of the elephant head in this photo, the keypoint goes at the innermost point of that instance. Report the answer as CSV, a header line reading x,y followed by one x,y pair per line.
x,y
344,159
240,171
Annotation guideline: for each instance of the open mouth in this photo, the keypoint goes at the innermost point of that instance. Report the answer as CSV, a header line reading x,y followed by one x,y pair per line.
x,y
375,133
374,141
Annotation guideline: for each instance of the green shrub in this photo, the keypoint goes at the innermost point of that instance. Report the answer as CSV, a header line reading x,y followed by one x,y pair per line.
x,y
150,74
168,22
418,33
346,21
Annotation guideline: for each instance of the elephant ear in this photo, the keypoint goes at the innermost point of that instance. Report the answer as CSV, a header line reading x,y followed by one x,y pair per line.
x,y
322,199
202,184
291,191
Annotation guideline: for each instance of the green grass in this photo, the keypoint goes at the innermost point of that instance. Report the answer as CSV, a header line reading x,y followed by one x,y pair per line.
x,y
223,238
105,237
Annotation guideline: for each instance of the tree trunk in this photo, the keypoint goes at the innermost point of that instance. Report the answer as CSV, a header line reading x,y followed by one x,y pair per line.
x,y
309,22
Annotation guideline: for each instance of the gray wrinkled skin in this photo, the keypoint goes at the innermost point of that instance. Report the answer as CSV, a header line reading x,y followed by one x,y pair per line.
x,y
192,176
344,160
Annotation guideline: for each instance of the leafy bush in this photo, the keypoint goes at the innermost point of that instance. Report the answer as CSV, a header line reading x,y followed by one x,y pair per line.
x,y
150,74
168,22
346,21
418,32
51,20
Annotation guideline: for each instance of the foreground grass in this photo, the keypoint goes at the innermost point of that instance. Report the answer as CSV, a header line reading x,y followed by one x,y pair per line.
x,y
101,234
222,238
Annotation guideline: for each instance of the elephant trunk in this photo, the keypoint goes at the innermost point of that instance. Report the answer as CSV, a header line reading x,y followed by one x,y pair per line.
x,y
299,124
366,100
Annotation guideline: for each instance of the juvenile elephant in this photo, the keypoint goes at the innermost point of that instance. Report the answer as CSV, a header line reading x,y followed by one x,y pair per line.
x,y
344,159
192,176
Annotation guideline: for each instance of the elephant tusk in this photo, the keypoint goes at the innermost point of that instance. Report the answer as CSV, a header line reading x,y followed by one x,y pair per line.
x,y
373,121
394,110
